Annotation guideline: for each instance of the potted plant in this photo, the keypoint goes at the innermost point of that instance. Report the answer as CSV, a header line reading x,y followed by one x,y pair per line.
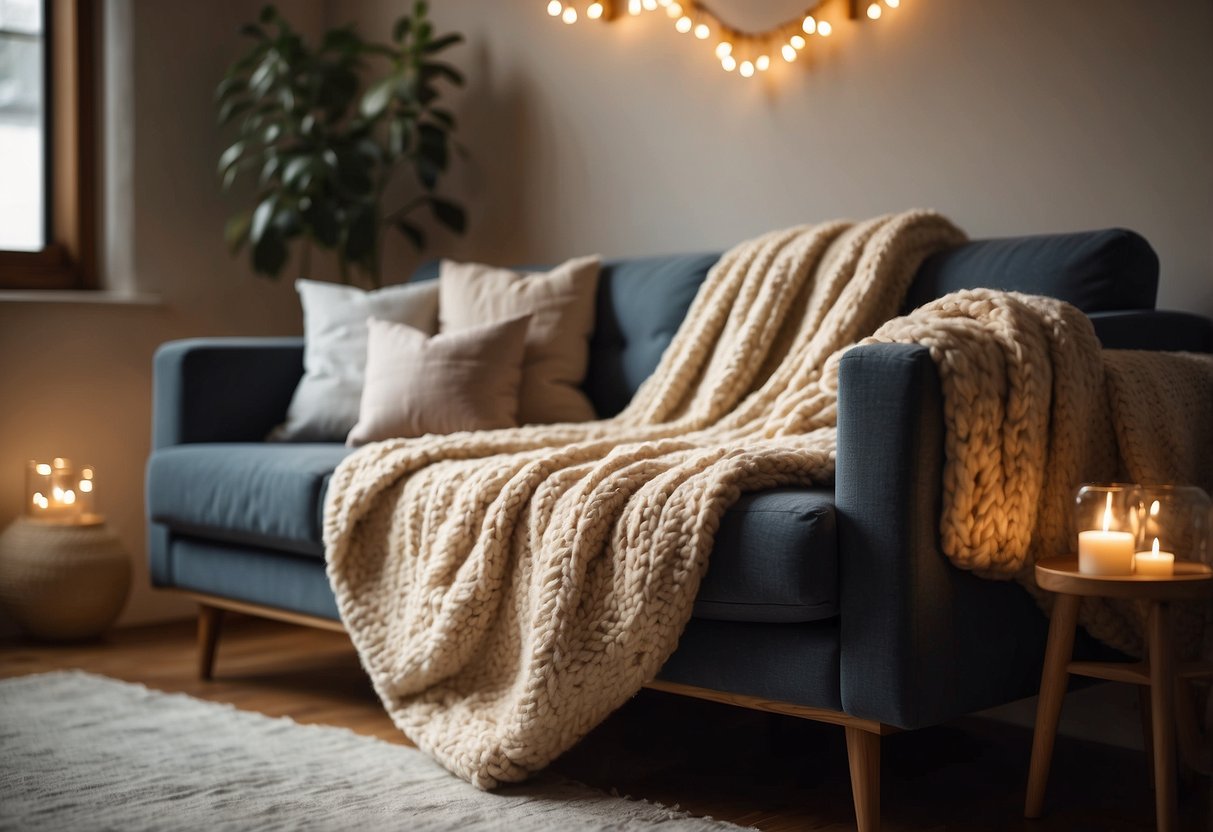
x,y
322,136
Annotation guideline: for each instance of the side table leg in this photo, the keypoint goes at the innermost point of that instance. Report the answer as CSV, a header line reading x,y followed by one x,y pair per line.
x,y
1162,682
1058,652
1147,729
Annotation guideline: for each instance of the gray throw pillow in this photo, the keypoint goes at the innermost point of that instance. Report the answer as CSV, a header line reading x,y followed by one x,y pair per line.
x,y
325,405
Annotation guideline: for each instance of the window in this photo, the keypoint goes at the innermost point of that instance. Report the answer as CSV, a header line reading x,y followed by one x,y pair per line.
x,y
47,236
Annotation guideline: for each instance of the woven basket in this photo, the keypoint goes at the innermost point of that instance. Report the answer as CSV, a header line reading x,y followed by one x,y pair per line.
x,y
62,581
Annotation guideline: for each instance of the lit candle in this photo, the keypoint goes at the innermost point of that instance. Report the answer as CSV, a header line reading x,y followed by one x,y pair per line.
x,y
1155,564
1105,552
55,492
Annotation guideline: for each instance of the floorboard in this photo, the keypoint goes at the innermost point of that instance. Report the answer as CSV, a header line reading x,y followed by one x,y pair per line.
x,y
776,773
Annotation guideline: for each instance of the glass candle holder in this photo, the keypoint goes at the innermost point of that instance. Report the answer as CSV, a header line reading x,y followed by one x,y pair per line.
x,y
1106,517
58,493
1174,524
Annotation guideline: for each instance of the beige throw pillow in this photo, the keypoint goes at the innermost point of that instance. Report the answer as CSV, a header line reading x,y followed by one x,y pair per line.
x,y
561,305
416,384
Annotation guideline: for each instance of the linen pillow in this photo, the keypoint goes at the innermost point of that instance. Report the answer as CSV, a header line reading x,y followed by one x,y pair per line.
x,y
561,305
415,384
325,404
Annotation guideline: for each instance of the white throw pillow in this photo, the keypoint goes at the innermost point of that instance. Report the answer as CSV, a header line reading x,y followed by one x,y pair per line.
x,y
325,405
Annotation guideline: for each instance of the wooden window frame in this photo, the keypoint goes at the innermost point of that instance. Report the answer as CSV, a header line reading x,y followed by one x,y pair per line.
x,y
69,259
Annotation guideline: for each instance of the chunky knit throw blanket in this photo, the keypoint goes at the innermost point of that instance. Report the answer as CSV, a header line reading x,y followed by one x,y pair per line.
x,y
507,590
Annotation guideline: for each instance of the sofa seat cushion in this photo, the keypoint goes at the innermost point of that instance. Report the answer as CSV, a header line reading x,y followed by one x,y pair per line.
x,y
267,494
775,559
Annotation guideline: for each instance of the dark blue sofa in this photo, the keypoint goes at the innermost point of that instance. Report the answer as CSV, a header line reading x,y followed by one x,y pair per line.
x,y
833,603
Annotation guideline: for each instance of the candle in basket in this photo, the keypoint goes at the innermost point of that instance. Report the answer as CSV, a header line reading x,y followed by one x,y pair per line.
x,y
1104,551
1155,564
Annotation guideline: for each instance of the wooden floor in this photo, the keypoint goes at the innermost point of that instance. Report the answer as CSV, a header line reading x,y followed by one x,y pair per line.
x,y
776,773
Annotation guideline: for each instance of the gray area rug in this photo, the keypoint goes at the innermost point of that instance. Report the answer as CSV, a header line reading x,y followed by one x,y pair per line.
x,y
79,751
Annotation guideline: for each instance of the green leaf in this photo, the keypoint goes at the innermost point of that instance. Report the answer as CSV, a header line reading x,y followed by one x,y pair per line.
x,y
354,174
269,255
228,86
229,177
437,69
416,235
252,30
236,230
299,172
232,108
449,214
421,8
432,145
231,156
321,218
288,222
263,76
268,14
270,169
427,173
263,215
443,117
443,42
401,29
377,97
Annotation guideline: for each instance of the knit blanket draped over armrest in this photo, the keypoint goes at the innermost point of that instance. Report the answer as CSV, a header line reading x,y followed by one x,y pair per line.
x,y
506,590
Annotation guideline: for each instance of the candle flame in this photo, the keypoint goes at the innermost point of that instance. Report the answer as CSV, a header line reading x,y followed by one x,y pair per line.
x,y
1154,508
1107,513
1155,550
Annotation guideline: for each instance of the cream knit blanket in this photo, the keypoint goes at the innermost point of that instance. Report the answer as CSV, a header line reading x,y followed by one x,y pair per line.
x,y
507,590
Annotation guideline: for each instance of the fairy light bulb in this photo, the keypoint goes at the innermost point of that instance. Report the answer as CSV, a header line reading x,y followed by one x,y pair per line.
x,y
729,63
634,7
809,25
892,4
723,49
763,63
702,31
789,54
674,10
569,16
650,5
824,28
594,11
797,42
683,24
874,11
746,69
555,8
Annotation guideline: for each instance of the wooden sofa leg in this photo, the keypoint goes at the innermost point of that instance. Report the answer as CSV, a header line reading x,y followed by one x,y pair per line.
x,y
863,753
209,621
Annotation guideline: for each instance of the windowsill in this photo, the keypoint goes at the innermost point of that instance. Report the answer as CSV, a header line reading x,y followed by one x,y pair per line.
x,y
90,298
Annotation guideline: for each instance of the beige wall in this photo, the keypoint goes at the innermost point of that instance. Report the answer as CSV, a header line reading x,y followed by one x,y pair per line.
x,y
1010,116
75,379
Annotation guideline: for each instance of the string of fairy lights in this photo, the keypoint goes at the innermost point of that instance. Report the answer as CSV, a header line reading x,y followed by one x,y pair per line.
x,y
747,53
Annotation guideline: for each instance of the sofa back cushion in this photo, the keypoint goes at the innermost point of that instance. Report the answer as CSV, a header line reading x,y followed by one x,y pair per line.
x,y
642,300
1096,271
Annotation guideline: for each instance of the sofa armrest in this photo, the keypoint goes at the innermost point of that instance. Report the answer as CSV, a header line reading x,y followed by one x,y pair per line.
x,y
1154,329
921,641
222,389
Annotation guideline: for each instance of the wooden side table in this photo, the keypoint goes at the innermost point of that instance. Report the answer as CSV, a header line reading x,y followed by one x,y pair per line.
x,y
1157,672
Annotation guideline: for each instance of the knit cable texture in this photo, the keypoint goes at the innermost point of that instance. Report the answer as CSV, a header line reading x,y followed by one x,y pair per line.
x,y
506,590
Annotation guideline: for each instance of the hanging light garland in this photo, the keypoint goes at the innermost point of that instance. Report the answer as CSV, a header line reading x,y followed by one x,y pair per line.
x,y
749,53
